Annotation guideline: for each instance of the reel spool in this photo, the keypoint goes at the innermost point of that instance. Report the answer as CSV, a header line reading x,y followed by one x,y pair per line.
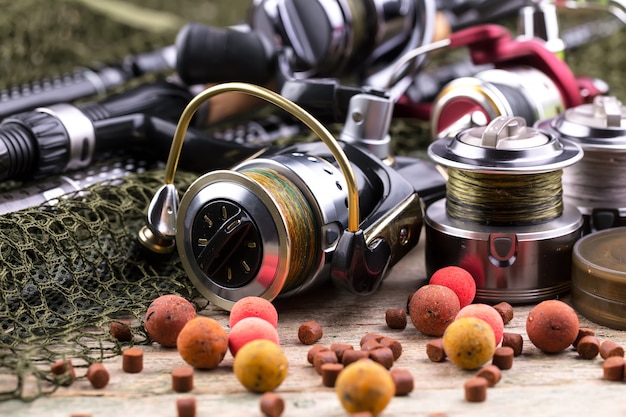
x,y
279,224
503,218
596,184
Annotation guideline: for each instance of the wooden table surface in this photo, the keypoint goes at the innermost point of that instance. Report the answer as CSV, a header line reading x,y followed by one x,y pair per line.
x,y
537,385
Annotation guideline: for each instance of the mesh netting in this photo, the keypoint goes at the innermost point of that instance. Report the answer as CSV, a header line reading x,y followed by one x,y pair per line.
x,y
68,270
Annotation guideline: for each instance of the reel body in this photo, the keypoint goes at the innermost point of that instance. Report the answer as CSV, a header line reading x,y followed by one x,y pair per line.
x,y
272,225
338,38
522,77
503,218
596,184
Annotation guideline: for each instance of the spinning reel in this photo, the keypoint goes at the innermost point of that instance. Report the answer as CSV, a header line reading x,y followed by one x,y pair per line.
x,y
287,220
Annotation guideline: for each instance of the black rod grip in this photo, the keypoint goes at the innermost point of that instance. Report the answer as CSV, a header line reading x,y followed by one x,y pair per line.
x,y
207,54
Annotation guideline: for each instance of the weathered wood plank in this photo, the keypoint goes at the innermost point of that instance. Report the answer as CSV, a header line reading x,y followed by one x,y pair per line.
x,y
538,384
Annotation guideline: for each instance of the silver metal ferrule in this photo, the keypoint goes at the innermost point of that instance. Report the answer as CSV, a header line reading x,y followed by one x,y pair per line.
x,y
80,132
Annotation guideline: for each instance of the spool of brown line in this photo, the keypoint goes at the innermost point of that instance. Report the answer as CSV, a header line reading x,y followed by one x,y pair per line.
x,y
504,199
298,218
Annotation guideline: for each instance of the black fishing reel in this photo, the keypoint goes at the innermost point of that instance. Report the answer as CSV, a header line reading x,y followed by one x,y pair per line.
x,y
289,219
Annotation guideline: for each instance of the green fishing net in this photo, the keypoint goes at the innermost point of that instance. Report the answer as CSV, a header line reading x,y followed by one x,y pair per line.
x,y
68,269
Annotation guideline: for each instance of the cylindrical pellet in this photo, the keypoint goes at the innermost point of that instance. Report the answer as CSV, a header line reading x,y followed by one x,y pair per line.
x,y
491,373
505,310
394,345
182,379
330,372
353,355
582,332
613,368
339,348
435,351
132,360
609,348
503,357
396,318
120,331
98,375
370,336
271,404
403,380
514,341
312,351
588,347
186,407
310,332
475,389
371,344
322,357
383,356
64,370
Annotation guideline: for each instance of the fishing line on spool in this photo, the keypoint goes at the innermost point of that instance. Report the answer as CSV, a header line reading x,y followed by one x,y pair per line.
x,y
501,199
598,177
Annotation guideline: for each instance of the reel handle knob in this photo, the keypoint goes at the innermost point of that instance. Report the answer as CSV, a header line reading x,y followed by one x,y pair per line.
x,y
357,267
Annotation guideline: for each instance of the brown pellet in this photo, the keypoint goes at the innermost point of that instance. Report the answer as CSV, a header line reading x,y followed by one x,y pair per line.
x,y
434,350
609,348
383,356
322,357
64,371
394,345
505,310
120,331
312,351
98,375
403,380
186,407
503,357
339,348
330,372
132,360
353,355
475,389
491,373
613,368
271,404
310,332
514,341
588,347
396,318
62,367
370,336
182,379
582,332
371,345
